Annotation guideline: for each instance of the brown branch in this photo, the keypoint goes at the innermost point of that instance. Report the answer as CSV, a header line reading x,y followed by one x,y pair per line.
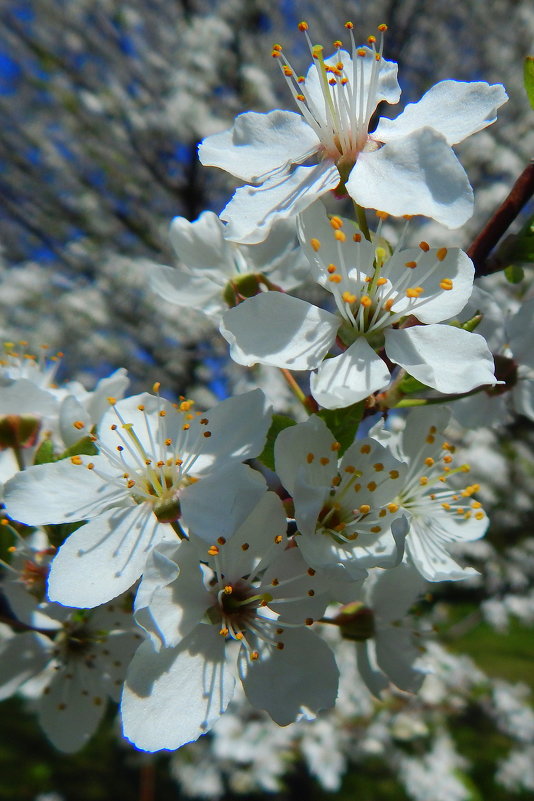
x,y
499,222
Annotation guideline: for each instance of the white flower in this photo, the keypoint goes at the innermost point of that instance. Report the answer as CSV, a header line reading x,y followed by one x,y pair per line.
x,y
217,274
73,671
344,508
158,464
375,295
238,607
405,166
386,648
510,339
439,513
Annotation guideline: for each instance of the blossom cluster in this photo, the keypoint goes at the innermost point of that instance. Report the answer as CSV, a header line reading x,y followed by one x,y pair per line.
x,y
162,554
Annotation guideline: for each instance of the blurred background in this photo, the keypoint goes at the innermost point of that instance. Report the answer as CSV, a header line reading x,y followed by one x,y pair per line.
x,y
102,105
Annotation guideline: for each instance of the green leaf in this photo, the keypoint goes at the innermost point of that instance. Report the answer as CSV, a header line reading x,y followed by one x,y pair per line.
x,y
514,273
45,452
528,76
343,423
280,421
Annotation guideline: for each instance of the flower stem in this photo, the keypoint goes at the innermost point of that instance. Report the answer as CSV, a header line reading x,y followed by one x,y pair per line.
x,y
362,221
297,392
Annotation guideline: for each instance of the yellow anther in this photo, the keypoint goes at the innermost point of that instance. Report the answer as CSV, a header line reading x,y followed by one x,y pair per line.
x,y
228,590
381,281
315,244
349,25
79,424
331,268
336,222
423,481
365,449
350,469
303,26
424,246
324,460
388,304
112,401
141,407
287,70
130,483
372,485
162,413
168,442
393,507
76,459
429,461
278,539
441,254
376,529
476,505
254,656
335,446
479,516
378,467
430,439
357,487
446,284
371,39
300,98
382,215
340,527
310,457
357,237
91,466
348,297
335,279
338,43
361,52
277,47
411,264
382,28
366,301
364,509
340,236
213,550
414,292
155,386
446,506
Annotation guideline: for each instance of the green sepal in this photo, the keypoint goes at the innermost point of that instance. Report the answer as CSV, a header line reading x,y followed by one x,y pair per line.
x,y
83,447
343,423
45,452
528,77
514,273
409,385
518,247
279,422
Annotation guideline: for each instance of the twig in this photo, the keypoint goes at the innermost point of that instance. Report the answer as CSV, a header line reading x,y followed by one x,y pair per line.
x,y
499,222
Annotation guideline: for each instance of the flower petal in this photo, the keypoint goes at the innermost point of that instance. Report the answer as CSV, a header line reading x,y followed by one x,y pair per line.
x,y
350,377
258,144
105,556
173,696
418,174
275,684
200,244
194,291
277,329
455,109
444,357
253,210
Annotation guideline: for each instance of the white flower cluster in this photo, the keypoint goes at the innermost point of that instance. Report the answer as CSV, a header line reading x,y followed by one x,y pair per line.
x,y
249,547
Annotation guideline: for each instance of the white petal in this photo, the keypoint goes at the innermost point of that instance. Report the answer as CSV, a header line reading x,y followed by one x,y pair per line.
x,y
24,397
21,657
350,377
292,447
58,492
173,696
521,334
368,669
114,385
303,674
394,592
195,291
444,357
253,210
105,557
454,108
71,411
258,144
435,303
200,244
395,655
523,397
72,707
277,329
217,504
418,174
433,561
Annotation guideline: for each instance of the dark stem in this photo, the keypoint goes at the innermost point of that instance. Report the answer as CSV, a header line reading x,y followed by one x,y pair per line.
x,y
499,222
